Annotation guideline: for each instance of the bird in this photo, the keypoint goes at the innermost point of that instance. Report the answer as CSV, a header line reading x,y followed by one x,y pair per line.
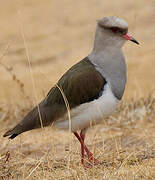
x,y
89,91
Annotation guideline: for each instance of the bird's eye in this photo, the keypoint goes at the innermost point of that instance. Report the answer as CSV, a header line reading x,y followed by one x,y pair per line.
x,y
116,30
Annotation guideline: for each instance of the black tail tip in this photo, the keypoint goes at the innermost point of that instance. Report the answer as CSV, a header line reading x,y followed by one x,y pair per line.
x,y
4,135
12,136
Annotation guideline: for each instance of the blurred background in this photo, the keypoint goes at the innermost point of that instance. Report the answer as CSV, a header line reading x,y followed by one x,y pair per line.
x,y
55,34
39,41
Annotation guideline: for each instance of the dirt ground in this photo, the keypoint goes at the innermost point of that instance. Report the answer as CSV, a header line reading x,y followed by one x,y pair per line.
x,y
51,36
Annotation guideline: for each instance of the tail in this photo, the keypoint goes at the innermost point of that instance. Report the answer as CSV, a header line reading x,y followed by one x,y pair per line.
x,y
13,132
32,120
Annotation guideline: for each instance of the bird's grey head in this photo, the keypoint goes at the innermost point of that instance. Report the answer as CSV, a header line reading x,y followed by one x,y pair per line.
x,y
112,32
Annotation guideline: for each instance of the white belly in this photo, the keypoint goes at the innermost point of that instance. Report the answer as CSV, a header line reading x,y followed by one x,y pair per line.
x,y
90,113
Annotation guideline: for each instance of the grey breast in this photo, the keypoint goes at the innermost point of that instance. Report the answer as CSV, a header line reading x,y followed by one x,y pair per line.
x,y
113,69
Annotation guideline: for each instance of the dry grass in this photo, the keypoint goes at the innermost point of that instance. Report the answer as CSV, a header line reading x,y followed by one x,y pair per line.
x,y
57,34
124,143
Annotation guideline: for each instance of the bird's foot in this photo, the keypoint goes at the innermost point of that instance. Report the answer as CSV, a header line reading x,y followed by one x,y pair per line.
x,y
91,158
91,164
94,161
87,165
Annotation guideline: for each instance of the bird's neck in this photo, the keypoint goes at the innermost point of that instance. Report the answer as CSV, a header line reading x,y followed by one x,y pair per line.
x,y
107,43
106,54
111,64
105,49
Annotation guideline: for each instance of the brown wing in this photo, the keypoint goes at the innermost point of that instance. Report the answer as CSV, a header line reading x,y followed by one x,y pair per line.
x,y
80,84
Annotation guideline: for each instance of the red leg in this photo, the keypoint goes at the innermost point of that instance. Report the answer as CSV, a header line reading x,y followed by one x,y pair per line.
x,y
82,147
81,139
89,153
